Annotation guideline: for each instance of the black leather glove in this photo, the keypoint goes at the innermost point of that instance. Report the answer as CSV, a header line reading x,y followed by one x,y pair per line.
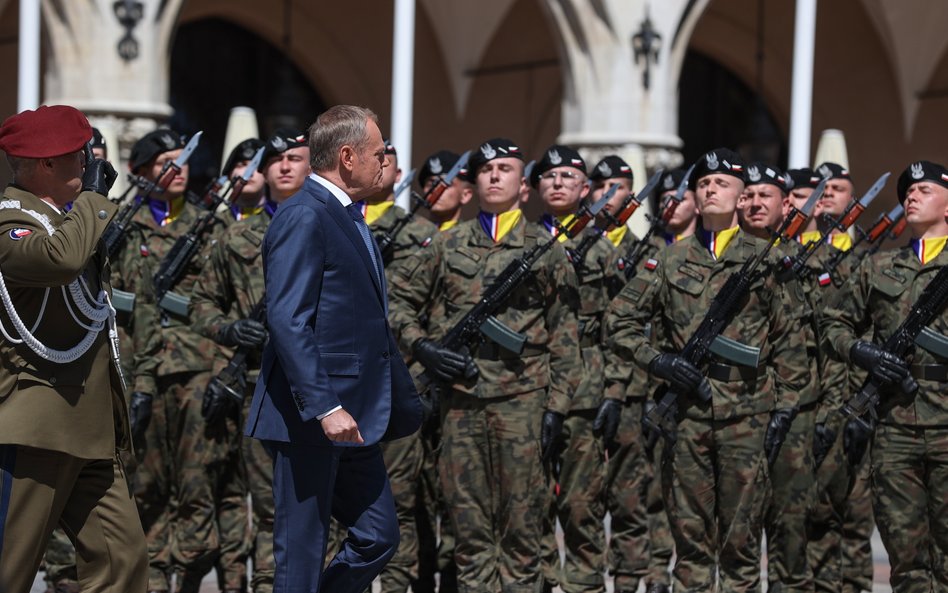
x,y
683,376
606,423
243,332
777,430
856,437
551,441
884,367
446,365
823,439
98,176
139,411
219,402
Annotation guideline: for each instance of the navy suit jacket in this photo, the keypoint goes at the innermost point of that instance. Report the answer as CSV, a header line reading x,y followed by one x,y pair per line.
x,y
330,342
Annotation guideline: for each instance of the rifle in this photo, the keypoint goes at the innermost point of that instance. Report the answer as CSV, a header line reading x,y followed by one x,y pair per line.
x,y
707,339
796,265
479,321
881,225
894,233
913,330
232,379
115,234
386,241
638,249
626,210
175,263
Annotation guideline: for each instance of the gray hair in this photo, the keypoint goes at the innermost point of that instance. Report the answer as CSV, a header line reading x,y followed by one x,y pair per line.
x,y
338,126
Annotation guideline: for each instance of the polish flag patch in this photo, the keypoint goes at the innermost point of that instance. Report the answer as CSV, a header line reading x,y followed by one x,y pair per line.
x,y
824,279
17,234
651,264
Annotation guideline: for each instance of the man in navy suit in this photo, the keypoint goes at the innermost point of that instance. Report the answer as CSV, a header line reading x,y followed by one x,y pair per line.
x,y
332,384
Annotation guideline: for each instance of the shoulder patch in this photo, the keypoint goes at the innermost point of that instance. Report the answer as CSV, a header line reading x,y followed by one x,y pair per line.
x,y
17,234
825,279
650,264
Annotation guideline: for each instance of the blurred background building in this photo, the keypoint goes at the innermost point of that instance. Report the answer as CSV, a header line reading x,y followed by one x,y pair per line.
x,y
658,81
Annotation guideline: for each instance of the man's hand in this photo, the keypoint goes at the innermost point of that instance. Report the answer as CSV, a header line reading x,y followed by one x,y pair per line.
x,y
551,441
606,423
98,177
243,332
883,366
777,430
340,427
139,410
683,376
446,365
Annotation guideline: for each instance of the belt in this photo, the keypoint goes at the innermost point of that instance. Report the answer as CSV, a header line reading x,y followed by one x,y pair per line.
x,y
493,351
930,372
733,372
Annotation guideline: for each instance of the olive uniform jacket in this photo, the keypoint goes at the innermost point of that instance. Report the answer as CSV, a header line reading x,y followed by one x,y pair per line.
x,y
76,408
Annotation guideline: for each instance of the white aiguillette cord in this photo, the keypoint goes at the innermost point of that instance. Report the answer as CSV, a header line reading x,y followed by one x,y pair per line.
x,y
97,309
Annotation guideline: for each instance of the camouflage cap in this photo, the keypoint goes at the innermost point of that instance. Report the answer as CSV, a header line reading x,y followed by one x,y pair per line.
x,y
921,171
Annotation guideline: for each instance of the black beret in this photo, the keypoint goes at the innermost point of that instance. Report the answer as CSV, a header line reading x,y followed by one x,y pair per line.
x,y
242,152
833,171
759,173
672,179
97,140
390,148
720,160
921,171
611,167
152,144
556,156
438,164
282,140
495,148
804,177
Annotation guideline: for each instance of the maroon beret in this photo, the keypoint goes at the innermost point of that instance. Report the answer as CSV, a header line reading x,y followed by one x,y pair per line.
x,y
51,130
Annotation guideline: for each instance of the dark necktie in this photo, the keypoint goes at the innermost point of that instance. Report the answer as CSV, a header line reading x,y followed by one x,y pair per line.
x,y
355,212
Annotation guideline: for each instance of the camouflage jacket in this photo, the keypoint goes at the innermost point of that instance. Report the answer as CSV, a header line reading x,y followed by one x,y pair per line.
x,y
448,279
180,349
595,275
417,234
231,284
878,300
675,290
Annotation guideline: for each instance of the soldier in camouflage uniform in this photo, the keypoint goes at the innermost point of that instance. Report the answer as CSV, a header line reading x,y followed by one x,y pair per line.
x,y
175,485
641,546
435,537
762,208
560,179
718,463
230,286
839,546
494,402
908,455
403,457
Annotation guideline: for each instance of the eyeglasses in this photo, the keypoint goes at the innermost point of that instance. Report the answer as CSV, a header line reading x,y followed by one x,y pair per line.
x,y
567,178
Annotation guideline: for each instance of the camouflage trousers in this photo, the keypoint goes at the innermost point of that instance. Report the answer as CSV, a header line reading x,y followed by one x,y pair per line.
x,y
793,485
60,561
435,537
627,475
258,469
580,505
839,546
177,485
910,492
495,491
403,460
660,540
714,475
